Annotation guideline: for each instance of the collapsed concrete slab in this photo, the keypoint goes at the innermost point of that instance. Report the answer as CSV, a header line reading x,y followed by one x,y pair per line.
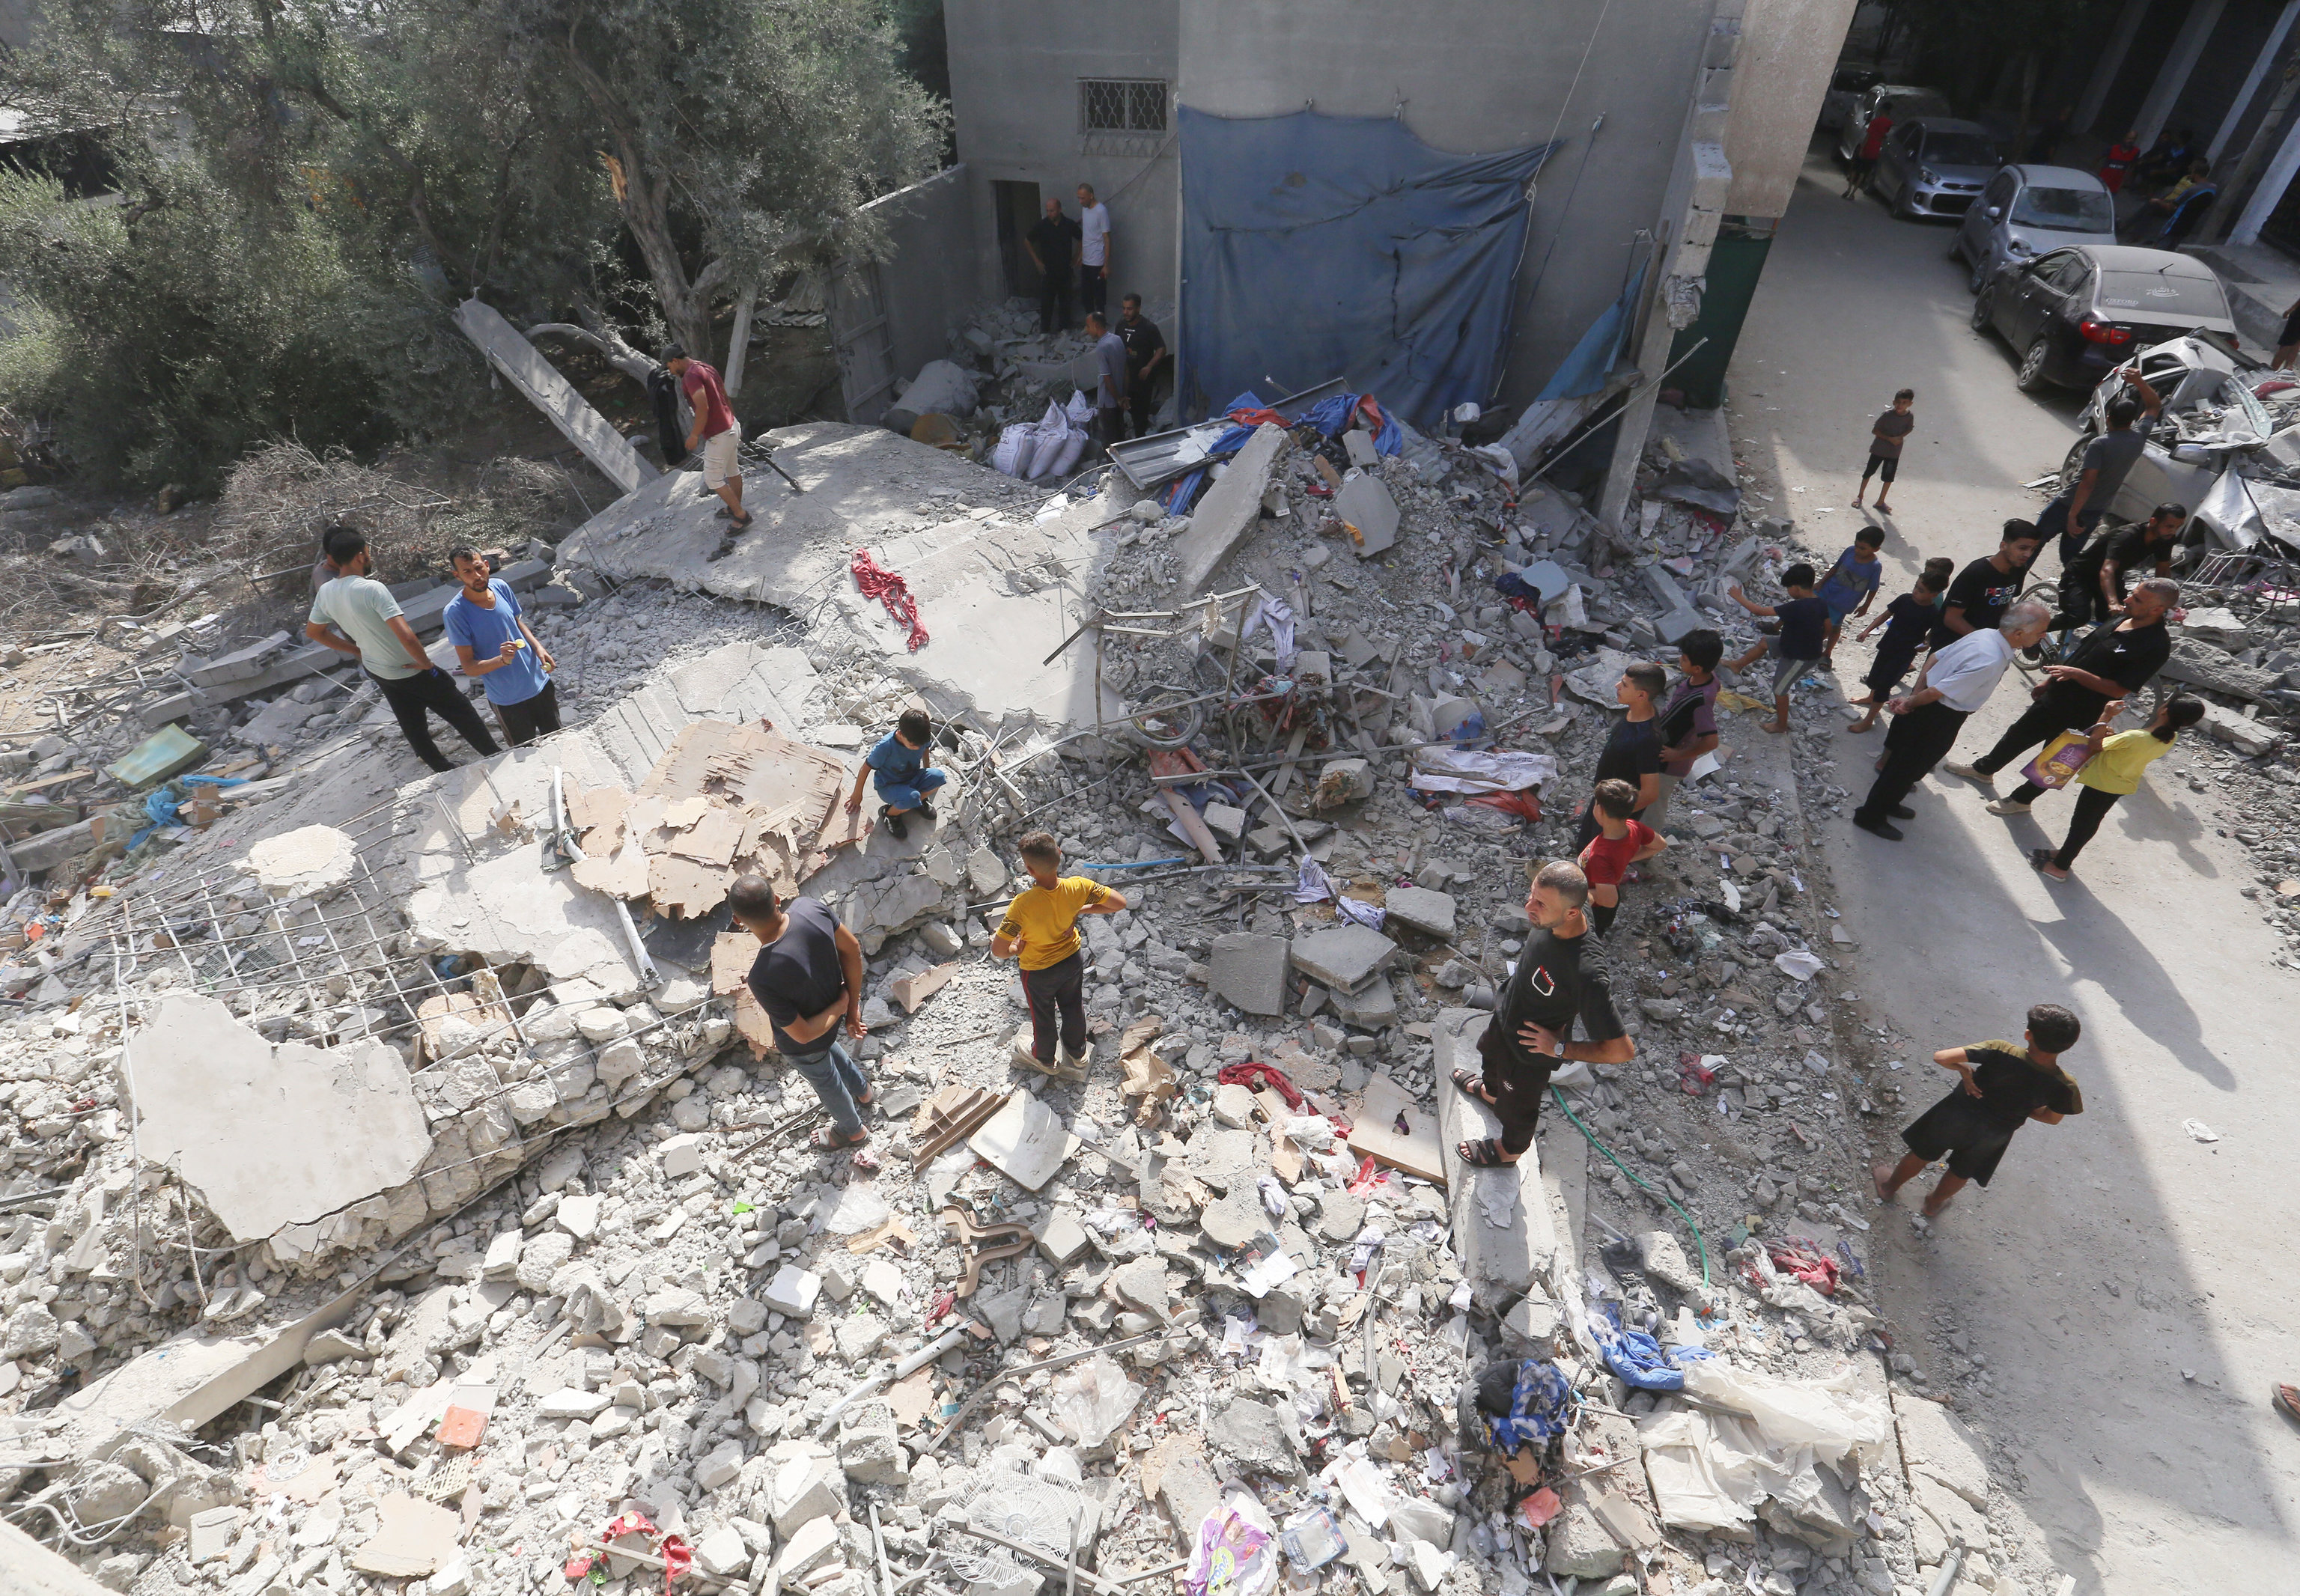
x,y
271,1136
1229,509
509,352
999,572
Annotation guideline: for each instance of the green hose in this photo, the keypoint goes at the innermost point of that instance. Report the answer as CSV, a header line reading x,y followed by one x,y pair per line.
x,y
1698,1241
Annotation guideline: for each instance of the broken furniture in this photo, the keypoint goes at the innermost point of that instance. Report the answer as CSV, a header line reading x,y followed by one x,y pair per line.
x,y
983,1243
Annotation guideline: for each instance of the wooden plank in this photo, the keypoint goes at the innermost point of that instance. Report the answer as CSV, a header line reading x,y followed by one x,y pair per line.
x,y
1418,1151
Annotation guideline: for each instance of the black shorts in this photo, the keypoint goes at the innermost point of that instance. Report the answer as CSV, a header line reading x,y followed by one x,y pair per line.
x,y
1885,671
1956,1127
1885,466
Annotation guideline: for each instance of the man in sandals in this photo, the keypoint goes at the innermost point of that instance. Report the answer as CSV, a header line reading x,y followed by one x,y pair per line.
x,y
1562,976
807,977
715,432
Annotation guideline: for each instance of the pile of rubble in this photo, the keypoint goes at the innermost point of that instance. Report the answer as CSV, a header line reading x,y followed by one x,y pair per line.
x,y
531,1272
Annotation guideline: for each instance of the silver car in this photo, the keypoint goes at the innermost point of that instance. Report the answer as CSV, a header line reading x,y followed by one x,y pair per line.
x,y
1933,166
2029,211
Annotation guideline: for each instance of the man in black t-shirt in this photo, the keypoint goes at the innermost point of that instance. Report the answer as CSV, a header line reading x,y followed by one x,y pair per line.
x,y
2111,662
1053,243
1977,599
2092,584
2002,1085
1146,361
1562,976
808,977
1632,750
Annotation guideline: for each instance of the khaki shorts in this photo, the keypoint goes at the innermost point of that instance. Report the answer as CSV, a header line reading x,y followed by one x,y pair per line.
x,y
719,457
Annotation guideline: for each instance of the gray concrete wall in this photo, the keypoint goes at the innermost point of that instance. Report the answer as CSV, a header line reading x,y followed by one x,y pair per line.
x,y
1014,71
1494,76
930,271
1788,51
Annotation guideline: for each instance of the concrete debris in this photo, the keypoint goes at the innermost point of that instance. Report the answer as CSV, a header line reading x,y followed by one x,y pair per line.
x,y
454,1165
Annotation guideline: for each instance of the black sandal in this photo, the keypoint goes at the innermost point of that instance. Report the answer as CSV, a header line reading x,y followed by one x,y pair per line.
x,y
826,1139
1487,1154
1472,1082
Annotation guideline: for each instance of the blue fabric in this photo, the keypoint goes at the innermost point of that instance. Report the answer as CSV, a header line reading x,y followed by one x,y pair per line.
x,y
903,796
485,632
1638,1357
892,764
1593,358
1316,246
1331,416
1537,1408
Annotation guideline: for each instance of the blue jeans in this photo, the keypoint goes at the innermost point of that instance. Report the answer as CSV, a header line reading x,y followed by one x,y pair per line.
x,y
838,1080
906,795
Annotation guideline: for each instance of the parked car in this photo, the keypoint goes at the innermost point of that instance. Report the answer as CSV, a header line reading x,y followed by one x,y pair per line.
x,y
1933,166
2030,210
1899,100
1845,86
2075,314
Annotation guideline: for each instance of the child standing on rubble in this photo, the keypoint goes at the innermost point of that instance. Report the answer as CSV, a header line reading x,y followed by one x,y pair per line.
x,y
898,765
1796,648
1041,925
2001,1086
1622,842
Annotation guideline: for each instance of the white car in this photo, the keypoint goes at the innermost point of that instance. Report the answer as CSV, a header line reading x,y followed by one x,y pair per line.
x,y
2216,449
2031,210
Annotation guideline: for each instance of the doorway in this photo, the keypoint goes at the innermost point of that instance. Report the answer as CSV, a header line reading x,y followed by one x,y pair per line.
x,y
1017,205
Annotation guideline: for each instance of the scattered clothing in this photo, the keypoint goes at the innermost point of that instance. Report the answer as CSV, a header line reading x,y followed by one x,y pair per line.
x,y
1539,1406
878,583
1638,1357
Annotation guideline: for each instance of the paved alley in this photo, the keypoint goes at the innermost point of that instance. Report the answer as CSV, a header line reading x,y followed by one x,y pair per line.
x,y
2128,1286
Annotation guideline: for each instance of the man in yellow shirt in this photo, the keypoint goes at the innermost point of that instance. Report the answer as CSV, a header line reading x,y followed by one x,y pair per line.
x,y
1041,924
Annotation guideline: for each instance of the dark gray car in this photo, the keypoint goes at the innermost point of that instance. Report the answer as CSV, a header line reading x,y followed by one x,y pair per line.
x,y
2075,314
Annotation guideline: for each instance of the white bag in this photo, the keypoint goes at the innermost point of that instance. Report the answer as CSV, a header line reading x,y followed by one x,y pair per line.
x,y
1061,461
1026,456
1081,410
1004,456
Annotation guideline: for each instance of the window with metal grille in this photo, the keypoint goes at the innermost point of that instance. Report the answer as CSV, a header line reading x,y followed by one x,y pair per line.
x,y
1122,105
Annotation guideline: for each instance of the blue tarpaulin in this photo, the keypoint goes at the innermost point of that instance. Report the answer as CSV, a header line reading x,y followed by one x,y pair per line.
x,y
1316,246
1585,369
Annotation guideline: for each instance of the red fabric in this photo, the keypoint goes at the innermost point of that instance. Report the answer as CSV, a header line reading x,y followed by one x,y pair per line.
x,y
708,395
1527,803
878,583
1872,143
1606,861
1256,418
1801,1260
2116,164
1250,1075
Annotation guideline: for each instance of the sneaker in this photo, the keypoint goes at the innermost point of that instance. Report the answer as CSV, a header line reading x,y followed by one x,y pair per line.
x,y
1971,773
2004,806
927,808
897,826
1884,829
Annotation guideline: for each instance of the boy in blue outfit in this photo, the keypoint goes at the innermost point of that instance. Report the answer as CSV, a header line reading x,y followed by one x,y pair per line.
x,y
898,765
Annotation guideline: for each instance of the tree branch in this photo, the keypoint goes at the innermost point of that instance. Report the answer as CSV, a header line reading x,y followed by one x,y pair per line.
x,y
619,354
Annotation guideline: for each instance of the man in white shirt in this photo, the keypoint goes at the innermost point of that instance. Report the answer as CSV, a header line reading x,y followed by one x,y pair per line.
x,y
1954,682
1094,251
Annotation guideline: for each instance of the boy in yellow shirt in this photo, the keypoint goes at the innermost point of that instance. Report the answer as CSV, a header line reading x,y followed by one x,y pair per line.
x,y
1041,924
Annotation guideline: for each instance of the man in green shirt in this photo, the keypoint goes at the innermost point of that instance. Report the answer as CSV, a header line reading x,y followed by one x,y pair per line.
x,y
356,615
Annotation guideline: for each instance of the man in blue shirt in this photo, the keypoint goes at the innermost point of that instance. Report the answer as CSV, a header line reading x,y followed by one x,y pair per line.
x,y
898,765
499,652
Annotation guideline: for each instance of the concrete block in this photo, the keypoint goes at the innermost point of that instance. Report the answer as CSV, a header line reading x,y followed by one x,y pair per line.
x,y
572,1403
1431,913
509,352
1229,509
792,1291
1226,819
1936,1443
502,1256
1371,1008
806,1491
681,1157
1713,177
1061,1239
1342,957
815,1543
1249,971
1364,505
720,1465
722,1553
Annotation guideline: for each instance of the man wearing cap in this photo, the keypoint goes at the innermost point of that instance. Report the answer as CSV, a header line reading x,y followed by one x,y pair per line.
x,y
714,431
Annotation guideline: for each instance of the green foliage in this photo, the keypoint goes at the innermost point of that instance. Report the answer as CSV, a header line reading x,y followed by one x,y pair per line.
x,y
159,345
310,187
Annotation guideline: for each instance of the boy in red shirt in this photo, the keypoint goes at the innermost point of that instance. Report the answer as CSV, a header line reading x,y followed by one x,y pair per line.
x,y
1622,842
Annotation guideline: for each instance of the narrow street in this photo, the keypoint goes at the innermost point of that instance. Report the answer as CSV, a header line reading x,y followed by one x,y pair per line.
x,y
2130,1288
